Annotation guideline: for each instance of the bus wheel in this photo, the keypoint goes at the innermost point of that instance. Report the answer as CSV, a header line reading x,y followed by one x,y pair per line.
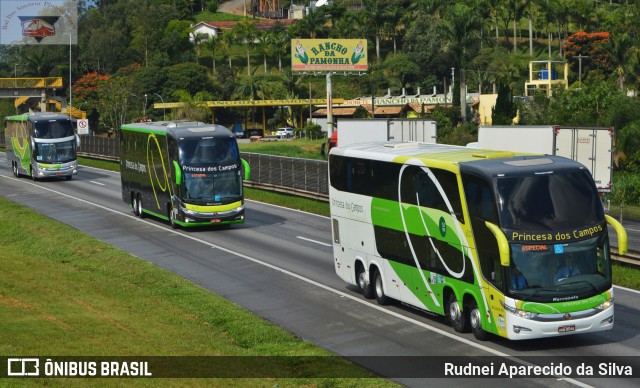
x,y
33,176
379,289
476,322
134,203
456,315
363,284
15,169
140,212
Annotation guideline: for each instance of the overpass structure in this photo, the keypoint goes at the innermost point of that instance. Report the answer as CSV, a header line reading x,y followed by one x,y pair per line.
x,y
23,89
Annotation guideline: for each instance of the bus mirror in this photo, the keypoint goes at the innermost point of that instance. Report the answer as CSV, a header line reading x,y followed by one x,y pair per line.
x,y
503,244
247,169
623,243
77,141
33,145
178,171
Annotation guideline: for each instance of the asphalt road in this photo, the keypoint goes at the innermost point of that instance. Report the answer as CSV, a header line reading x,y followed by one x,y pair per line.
x,y
279,265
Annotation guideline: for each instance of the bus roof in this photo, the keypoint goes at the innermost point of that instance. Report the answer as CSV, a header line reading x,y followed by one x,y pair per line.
x,y
179,129
482,162
36,116
400,152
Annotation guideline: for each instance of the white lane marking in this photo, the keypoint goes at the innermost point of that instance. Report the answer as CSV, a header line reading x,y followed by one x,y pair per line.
x,y
97,183
314,241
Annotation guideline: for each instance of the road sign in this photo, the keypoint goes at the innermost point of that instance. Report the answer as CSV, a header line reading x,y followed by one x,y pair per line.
x,y
83,127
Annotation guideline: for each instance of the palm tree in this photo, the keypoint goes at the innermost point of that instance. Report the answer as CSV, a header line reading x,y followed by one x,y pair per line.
x,y
226,42
374,16
281,43
460,30
265,44
212,44
246,32
313,25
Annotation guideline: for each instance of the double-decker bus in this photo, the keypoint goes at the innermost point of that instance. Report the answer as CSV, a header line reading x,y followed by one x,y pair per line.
x,y
514,245
42,145
188,173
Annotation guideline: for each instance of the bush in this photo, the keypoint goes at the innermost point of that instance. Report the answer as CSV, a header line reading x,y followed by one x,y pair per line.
x,y
626,188
213,6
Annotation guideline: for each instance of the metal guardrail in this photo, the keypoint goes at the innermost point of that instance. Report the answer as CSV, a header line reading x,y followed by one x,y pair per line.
x,y
302,177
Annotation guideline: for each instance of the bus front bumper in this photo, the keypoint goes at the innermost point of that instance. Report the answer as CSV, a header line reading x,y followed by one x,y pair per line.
x,y
189,218
44,171
589,321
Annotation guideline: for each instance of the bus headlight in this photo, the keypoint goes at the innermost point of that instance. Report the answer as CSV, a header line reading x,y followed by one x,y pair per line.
x,y
605,305
187,211
520,313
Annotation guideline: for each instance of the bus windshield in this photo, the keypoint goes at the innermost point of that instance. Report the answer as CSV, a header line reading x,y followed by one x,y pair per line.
x,y
545,273
213,188
548,202
60,152
55,129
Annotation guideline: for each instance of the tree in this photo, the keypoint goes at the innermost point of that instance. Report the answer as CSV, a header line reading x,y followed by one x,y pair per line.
x,y
265,45
596,46
246,32
505,109
212,45
193,107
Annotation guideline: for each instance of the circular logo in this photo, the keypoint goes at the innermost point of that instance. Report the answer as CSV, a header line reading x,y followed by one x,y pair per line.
x,y
443,227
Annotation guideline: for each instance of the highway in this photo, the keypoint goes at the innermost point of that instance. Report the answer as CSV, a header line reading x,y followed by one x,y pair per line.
x,y
279,266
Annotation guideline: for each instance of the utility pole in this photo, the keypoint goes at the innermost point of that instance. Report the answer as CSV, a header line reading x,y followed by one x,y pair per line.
x,y
580,66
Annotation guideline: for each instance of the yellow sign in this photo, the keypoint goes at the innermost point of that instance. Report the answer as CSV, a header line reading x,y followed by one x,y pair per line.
x,y
329,55
251,103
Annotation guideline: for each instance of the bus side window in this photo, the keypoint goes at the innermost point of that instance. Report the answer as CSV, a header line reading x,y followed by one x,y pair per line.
x,y
481,207
419,189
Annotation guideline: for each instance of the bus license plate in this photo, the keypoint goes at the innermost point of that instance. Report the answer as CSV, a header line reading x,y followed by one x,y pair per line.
x,y
566,329
215,220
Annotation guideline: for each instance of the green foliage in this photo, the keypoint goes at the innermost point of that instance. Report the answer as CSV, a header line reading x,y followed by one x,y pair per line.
x,y
626,189
187,76
629,148
505,109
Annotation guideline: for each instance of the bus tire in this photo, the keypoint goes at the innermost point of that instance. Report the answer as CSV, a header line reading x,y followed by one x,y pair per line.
x,y
363,284
33,176
140,212
456,316
14,167
134,204
475,320
379,288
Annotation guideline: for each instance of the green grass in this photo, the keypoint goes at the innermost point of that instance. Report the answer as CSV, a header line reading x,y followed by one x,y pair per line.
x,y
297,148
67,294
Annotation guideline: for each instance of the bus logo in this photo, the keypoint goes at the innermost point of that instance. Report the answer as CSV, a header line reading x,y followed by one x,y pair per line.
x,y
443,227
38,27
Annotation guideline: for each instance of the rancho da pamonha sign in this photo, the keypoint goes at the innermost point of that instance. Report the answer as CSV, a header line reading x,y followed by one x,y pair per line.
x,y
329,55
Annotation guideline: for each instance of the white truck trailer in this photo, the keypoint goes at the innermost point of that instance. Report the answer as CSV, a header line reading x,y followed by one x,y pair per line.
x,y
591,146
354,131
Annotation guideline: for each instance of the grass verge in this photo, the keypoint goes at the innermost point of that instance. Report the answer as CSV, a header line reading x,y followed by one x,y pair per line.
x,y
67,294
297,148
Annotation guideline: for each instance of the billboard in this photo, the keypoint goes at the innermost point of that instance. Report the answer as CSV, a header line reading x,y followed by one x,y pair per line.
x,y
38,22
329,55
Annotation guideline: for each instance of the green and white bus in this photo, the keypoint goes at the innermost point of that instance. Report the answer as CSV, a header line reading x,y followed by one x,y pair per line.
x,y
478,236
42,145
188,173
